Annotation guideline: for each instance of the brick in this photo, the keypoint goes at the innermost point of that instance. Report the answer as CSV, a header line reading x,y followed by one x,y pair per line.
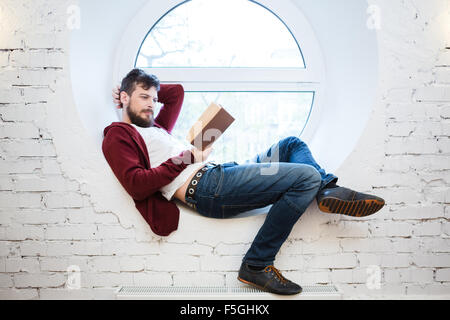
x,y
12,42
409,275
45,41
37,217
40,58
198,278
47,183
432,260
443,275
384,260
20,200
413,111
151,279
418,212
366,245
4,58
63,264
443,58
400,95
23,166
445,112
132,264
107,264
437,194
400,195
434,94
50,166
436,244
10,249
196,249
428,228
310,277
68,232
76,248
349,229
25,232
30,265
114,232
343,260
33,248
21,112
429,289
6,280
6,183
169,263
26,280
442,75
65,294
391,229
30,77
323,246
292,262
410,145
129,247
63,200
401,129
27,148
220,263
88,215
431,129
18,294
107,279
405,245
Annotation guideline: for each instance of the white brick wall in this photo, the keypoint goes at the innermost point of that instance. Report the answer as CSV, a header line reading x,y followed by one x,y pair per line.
x,y
49,222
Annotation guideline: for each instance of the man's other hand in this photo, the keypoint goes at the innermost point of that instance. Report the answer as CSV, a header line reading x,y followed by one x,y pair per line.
x,y
200,156
116,97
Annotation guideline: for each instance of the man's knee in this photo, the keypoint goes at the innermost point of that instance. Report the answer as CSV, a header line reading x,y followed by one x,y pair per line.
x,y
312,176
292,139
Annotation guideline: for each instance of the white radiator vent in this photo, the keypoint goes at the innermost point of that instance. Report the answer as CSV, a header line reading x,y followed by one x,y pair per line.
x,y
238,292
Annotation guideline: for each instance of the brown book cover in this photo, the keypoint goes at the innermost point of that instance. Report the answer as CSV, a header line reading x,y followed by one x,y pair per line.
x,y
209,127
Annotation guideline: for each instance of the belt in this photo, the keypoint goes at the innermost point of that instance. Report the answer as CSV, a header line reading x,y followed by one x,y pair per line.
x,y
192,187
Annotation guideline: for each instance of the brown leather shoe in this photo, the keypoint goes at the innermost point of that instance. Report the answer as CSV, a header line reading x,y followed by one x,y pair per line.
x,y
348,202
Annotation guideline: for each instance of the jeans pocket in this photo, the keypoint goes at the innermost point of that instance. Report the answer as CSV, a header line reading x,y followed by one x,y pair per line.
x,y
221,175
205,206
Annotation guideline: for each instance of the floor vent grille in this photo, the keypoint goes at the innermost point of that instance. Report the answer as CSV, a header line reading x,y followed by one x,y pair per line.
x,y
212,292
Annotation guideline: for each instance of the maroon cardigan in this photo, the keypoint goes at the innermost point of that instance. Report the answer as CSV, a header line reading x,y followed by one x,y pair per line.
x,y
126,152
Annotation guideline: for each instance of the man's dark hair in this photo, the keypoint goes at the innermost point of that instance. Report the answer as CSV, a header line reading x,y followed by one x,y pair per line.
x,y
138,77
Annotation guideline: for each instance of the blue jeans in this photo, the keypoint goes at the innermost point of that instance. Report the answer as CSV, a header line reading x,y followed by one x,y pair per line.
x,y
286,176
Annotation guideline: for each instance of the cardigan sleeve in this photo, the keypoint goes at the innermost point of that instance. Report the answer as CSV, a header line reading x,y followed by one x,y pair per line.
x,y
171,96
122,155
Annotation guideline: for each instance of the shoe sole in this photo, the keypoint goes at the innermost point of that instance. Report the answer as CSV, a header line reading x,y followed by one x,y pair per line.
x,y
264,289
356,208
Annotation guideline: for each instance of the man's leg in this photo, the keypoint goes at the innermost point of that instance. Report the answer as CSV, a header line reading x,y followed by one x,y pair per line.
x,y
331,198
293,150
230,188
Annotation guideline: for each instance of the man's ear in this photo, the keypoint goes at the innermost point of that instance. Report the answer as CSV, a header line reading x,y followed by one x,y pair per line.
x,y
124,99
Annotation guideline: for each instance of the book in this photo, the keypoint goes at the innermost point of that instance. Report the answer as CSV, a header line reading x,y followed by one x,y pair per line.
x,y
209,127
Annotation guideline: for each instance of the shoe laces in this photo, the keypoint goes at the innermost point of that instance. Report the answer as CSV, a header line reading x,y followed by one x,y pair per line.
x,y
277,273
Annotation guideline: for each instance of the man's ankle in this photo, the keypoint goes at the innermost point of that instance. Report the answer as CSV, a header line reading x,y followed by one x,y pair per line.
x,y
255,268
332,184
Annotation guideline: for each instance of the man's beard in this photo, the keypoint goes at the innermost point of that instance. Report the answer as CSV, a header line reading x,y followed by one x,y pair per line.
x,y
139,121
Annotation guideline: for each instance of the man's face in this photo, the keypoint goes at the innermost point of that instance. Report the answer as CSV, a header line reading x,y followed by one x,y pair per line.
x,y
141,106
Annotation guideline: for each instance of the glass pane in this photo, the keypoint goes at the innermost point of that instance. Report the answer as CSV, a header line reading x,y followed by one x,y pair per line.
x,y
220,33
261,119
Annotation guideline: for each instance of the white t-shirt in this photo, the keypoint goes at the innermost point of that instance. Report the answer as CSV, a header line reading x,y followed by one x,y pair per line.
x,y
162,146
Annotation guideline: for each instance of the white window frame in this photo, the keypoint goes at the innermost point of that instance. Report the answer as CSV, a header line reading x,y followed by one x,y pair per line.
x,y
310,78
